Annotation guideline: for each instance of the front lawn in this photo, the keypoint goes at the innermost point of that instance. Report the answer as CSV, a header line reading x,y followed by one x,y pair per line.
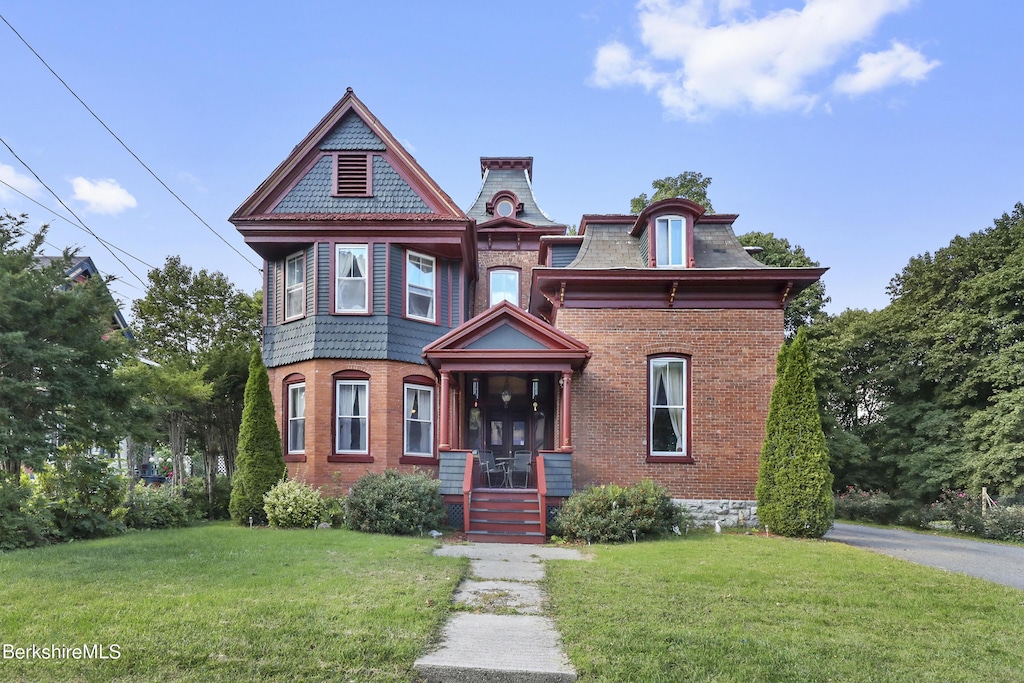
x,y
223,603
747,608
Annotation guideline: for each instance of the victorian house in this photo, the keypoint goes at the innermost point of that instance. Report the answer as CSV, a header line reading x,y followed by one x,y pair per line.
x,y
487,347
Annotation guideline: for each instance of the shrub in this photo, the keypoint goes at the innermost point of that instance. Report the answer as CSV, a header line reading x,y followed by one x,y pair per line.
x,y
868,506
611,513
334,511
84,495
1004,523
794,483
394,503
158,508
260,463
194,490
961,510
23,521
294,504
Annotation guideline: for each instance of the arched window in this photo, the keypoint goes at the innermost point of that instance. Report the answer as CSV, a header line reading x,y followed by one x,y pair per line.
x,y
295,411
670,241
503,285
418,417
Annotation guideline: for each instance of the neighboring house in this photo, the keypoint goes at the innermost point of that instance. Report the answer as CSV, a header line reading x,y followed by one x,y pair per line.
x,y
82,268
403,332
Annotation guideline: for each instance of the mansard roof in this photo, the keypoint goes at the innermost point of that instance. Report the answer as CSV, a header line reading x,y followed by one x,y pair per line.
x,y
508,174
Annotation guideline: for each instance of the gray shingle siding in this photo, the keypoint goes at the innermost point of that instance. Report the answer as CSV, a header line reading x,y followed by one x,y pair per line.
x,y
351,134
308,271
312,194
380,277
324,280
396,295
563,254
268,287
558,472
645,245
451,472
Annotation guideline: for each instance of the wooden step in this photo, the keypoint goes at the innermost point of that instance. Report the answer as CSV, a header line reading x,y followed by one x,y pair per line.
x,y
506,526
503,514
506,537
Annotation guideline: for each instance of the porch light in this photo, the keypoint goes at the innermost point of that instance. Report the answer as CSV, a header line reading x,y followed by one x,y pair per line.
x,y
536,391
476,391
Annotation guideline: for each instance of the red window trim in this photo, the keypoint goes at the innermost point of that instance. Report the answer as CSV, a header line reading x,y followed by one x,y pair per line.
x,y
420,380
334,455
652,240
518,269
405,288
286,383
688,457
333,265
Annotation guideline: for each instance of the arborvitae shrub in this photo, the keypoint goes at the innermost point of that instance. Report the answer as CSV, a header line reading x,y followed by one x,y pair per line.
x,y
611,513
394,503
260,463
794,483
291,504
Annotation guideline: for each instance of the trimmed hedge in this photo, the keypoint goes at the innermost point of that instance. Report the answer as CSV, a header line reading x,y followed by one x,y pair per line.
x,y
294,504
394,503
612,513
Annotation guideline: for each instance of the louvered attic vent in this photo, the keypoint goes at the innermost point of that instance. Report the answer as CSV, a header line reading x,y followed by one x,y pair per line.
x,y
352,175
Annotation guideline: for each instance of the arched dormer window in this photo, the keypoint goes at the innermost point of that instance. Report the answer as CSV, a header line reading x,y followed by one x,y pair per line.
x,y
670,244
504,204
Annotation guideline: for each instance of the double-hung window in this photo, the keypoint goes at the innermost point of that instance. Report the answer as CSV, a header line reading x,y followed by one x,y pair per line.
x,y
297,417
419,287
668,419
294,286
350,294
352,401
504,286
670,241
419,420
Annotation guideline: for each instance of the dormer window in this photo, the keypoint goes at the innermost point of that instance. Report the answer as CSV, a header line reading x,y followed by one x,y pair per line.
x,y
353,174
504,204
670,241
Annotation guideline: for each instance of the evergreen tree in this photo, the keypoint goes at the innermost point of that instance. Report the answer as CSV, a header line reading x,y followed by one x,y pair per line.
x,y
794,484
260,462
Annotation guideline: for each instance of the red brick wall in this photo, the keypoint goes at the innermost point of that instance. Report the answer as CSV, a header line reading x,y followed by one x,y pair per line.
x,y
732,373
386,426
524,260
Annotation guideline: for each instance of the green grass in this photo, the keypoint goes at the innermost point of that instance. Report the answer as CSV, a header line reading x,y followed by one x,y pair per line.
x,y
748,608
223,603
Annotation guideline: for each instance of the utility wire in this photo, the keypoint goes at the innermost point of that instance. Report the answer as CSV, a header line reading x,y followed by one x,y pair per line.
x,y
127,148
68,209
102,241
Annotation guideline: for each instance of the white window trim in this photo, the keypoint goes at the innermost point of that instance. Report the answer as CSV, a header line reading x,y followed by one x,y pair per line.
x,y
682,437
406,419
432,318
300,286
365,417
338,248
684,258
490,285
293,389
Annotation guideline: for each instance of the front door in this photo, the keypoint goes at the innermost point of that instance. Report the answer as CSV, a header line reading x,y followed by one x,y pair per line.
x,y
507,431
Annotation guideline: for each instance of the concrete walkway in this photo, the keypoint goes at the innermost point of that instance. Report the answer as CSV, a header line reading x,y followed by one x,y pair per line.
x,y
503,636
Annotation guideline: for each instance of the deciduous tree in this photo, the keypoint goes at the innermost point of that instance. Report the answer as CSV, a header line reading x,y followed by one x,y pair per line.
x,y
688,184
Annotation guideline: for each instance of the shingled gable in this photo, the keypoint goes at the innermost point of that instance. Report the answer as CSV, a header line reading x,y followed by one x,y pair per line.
x,y
303,193
506,338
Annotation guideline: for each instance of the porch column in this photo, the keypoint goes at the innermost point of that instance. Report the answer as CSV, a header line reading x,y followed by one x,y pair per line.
x,y
444,424
566,409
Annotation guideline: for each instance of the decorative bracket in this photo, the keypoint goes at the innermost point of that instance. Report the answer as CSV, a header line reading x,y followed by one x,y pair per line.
x,y
672,294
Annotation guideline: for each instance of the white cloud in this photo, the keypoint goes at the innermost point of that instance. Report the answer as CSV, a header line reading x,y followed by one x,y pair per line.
x,y
877,70
706,55
21,183
102,196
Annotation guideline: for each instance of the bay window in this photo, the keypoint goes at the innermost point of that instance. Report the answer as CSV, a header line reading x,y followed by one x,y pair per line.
x,y
419,420
352,403
351,288
294,286
297,417
419,287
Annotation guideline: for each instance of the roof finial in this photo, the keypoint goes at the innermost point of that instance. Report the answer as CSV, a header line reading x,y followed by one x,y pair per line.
x,y
349,89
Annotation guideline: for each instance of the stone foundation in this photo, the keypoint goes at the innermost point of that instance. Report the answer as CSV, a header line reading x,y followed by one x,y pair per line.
x,y
728,513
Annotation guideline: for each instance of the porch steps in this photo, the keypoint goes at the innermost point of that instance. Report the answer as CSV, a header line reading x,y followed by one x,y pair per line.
x,y
505,516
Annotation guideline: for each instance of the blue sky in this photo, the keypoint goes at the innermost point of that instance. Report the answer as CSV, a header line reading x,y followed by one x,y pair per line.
x,y
866,131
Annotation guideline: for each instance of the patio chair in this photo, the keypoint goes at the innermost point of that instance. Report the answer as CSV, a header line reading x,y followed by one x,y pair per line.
x,y
491,471
519,473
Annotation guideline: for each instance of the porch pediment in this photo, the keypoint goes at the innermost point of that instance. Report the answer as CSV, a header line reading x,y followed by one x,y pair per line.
x,y
505,337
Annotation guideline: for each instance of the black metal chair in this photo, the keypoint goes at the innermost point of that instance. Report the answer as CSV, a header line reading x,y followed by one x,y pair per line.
x,y
519,473
491,471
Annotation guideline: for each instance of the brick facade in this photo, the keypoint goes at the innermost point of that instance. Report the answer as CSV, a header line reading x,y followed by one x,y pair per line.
x,y
386,424
732,364
524,260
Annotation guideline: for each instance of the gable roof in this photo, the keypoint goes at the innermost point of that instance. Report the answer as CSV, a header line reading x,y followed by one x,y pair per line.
x,y
295,189
506,338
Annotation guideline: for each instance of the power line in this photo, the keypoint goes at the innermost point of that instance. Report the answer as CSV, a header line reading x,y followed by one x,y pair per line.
x,y
68,209
102,241
127,148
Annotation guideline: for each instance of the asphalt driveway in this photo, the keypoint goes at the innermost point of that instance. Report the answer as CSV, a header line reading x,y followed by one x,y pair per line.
x,y
991,561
